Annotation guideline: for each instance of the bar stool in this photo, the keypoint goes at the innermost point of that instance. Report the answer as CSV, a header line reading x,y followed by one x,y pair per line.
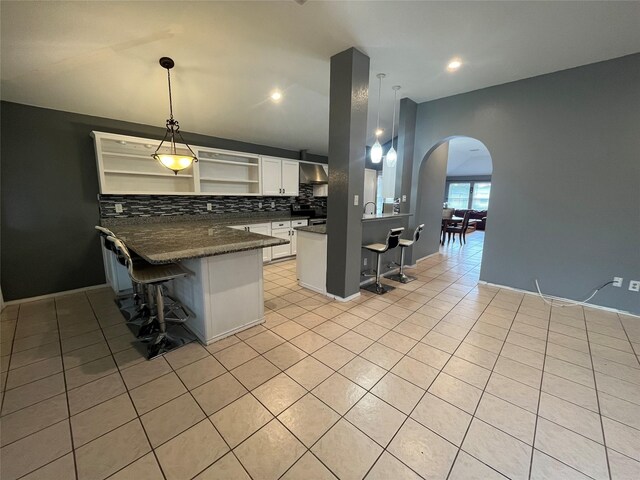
x,y
401,277
393,239
153,277
133,307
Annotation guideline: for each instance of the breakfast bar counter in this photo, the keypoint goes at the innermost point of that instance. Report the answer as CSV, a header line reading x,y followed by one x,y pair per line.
x,y
225,292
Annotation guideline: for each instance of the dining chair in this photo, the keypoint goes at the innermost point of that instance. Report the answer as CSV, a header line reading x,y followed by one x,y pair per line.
x,y
460,230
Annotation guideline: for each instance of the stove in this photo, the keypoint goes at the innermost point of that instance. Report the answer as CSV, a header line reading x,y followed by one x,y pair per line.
x,y
317,215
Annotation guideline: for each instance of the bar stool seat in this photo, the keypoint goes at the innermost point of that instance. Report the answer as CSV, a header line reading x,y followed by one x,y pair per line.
x,y
404,244
393,238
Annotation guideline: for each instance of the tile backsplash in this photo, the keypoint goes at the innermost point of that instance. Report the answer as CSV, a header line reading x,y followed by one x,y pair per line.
x,y
157,205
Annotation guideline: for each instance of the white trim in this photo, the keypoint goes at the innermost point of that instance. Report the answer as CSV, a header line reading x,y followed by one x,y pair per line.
x,y
312,288
343,299
562,299
56,294
202,339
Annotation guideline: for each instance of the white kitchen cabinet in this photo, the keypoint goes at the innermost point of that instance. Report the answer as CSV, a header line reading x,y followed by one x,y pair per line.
x,y
223,172
262,229
290,178
280,177
125,167
281,251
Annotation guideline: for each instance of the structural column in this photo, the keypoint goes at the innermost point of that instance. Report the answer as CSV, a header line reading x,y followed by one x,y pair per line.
x,y
348,105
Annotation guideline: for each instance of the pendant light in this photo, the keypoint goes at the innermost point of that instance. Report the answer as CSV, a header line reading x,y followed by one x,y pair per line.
x,y
392,155
376,149
173,160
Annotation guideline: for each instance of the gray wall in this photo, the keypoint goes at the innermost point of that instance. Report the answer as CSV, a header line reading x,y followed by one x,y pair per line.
x,y
565,197
49,190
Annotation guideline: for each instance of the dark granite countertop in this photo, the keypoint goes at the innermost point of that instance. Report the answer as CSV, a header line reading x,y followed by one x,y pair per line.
x,y
225,219
175,240
321,229
369,217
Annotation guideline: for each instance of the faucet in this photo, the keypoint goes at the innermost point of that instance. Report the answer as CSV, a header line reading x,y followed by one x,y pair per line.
x,y
374,207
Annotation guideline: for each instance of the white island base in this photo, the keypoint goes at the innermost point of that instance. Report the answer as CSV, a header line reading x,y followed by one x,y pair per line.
x,y
311,261
225,294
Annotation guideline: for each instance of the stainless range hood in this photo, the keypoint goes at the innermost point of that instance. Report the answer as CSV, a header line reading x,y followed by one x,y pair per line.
x,y
313,174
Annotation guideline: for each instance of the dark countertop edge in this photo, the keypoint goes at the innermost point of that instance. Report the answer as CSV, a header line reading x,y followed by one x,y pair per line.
x,y
319,229
387,217
223,251
230,219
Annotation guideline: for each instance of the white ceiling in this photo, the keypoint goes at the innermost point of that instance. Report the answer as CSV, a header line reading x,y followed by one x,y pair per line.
x,y
468,157
100,58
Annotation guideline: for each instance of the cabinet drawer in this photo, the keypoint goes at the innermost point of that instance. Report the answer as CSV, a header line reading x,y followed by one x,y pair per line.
x,y
299,223
285,224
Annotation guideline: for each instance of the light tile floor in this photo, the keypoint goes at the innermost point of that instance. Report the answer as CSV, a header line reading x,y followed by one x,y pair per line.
x,y
441,378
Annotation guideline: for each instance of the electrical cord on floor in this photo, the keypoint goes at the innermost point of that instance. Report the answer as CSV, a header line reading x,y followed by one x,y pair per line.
x,y
574,304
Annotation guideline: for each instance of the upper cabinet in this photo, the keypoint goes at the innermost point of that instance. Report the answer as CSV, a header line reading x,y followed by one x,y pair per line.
x,y
125,166
222,172
280,177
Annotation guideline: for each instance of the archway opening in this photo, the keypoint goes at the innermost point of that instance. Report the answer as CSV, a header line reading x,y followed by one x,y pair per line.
x,y
455,180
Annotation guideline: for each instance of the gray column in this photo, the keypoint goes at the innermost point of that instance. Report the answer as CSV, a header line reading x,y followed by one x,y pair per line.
x,y
348,104
406,142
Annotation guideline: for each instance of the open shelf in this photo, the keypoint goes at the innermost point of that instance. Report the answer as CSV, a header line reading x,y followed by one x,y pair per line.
x,y
149,174
227,162
227,180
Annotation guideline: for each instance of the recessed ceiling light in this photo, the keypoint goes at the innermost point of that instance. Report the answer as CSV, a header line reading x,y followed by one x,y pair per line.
x,y
454,65
276,96
379,132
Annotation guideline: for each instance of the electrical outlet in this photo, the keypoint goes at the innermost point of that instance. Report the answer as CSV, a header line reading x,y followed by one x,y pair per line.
x,y
404,198
118,208
209,207
273,204
259,204
356,199
365,262
634,285
617,281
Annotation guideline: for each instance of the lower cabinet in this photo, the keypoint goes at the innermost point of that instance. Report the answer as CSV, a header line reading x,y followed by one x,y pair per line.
x,y
284,230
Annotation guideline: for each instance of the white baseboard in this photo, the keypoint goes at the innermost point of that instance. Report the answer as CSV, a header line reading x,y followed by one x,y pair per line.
x,y
428,256
312,288
343,299
56,294
561,299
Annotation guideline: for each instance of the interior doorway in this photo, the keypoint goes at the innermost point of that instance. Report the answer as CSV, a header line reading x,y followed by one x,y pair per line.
x,y
456,172
467,191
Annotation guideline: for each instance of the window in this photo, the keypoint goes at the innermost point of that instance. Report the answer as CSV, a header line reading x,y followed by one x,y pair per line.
x,y
480,198
458,196
468,195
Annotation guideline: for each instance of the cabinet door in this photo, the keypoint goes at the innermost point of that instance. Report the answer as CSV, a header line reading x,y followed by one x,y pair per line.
x,y
290,178
281,251
271,176
263,230
294,242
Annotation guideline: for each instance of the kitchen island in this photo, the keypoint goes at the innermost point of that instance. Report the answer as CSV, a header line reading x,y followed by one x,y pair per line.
x,y
311,261
225,292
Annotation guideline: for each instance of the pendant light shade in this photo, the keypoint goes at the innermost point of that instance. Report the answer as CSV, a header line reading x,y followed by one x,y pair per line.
x,y
173,160
376,152
392,155
376,149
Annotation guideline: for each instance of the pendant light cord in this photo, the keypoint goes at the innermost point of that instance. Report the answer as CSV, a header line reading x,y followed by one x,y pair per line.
x,y
380,76
170,97
393,125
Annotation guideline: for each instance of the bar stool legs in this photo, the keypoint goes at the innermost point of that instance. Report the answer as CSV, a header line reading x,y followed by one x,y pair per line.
x,y
400,276
164,341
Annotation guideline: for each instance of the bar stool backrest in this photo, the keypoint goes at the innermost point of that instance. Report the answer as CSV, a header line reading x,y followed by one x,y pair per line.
x,y
393,237
121,250
416,234
105,233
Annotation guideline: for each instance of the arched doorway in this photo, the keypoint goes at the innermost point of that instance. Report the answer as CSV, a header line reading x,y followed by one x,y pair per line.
x,y
456,170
